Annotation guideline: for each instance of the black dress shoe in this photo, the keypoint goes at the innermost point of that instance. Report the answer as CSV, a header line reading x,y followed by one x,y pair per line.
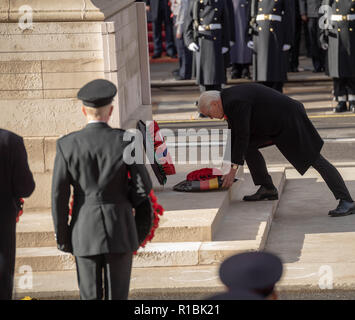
x,y
263,194
344,208
341,107
156,55
175,72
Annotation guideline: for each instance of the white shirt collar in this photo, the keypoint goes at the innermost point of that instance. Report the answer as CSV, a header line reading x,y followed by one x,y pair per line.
x,y
96,121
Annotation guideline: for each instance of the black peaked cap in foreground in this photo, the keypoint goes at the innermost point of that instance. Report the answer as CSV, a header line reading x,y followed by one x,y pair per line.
x,y
251,271
236,295
97,93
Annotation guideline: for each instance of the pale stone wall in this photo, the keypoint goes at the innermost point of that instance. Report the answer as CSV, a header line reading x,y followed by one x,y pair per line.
x,y
70,43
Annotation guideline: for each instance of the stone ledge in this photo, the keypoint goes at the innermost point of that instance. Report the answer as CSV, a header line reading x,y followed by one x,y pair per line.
x,y
65,10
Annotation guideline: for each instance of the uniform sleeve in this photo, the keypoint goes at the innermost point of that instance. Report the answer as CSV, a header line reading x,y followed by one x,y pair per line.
x,y
188,27
230,8
22,178
240,126
60,199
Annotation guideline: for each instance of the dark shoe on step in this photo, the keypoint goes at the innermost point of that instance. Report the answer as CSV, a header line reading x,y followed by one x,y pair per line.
x,y
263,194
341,107
344,208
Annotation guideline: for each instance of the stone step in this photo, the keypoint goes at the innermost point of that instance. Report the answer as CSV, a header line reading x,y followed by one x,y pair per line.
x,y
249,221
188,217
41,259
188,282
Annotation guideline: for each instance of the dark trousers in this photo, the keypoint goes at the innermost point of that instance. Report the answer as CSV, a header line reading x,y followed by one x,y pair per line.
x,y
318,54
328,172
277,85
344,86
163,17
116,268
7,256
185,57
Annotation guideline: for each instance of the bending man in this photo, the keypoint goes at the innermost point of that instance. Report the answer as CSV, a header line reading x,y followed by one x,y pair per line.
x,y
258,117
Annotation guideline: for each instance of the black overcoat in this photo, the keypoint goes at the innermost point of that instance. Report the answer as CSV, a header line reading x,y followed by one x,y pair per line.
x,y
16,182
209,59
91,161
258,113
153,13
341,41
270,62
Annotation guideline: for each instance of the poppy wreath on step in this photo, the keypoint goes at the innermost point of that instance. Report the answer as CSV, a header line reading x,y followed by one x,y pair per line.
x,y
201,180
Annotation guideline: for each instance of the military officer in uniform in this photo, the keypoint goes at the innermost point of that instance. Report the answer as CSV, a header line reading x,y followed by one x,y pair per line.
x,y
102,233
241,55
271,36
207,32
309,10
338,37
16,182
259,117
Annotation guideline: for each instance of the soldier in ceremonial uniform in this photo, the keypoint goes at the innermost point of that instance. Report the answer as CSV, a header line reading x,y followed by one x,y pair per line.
x,y
259,117
241,55
309,10
207,32
338,37
102,233
271,36
16,182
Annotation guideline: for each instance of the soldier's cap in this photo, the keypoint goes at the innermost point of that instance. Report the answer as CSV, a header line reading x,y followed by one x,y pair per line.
x,y
97,93
236,295
251,271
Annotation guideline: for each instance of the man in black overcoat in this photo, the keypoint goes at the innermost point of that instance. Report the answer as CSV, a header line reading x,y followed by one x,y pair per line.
x,y
259,116
102,233
16,182
338,38
207,34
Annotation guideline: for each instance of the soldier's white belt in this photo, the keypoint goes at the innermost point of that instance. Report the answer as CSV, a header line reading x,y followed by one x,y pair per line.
x,y
272,17
341,17
207,27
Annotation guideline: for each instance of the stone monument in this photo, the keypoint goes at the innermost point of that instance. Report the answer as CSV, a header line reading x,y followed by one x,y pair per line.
x,y
49,49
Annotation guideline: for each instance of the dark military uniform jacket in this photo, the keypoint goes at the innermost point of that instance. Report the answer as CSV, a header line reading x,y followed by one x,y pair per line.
x,y
269,36
16,181
209,59
341,39
258,116
91,161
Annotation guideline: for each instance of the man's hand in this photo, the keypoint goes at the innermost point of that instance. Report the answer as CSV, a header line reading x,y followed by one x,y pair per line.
x,y
228,179
147,8
224,50
304,18
178,35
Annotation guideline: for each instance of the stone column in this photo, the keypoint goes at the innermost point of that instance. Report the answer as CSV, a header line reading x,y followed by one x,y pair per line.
x,y
45,61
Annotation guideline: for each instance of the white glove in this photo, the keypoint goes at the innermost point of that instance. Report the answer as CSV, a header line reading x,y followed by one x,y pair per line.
x,y
224,50
231,43
250,45
193,47
325,46
286,47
